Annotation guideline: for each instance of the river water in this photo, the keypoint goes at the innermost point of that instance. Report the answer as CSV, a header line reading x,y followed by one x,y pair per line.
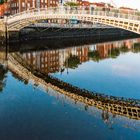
x,y
31,112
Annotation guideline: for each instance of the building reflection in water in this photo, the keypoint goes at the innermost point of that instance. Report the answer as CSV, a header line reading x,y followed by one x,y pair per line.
x,y
51,61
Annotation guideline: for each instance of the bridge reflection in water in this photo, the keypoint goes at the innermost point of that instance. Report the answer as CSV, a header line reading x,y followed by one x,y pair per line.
x,y
38,66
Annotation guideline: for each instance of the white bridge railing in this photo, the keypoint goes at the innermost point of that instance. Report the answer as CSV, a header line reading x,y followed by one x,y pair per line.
x,y
117,13
124,19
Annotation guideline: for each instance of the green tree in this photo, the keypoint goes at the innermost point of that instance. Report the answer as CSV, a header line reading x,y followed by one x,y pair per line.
x,y
72,62
94,55
124,49
114,53
2,1
136,48
71,4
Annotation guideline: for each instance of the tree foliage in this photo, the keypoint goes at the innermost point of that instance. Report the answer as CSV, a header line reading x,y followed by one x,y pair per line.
x,y
124,49
2,1
114,52
94,55
136,48
71,4
72,62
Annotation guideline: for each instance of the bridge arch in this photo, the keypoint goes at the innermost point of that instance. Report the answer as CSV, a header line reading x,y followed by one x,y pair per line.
x,y
120,20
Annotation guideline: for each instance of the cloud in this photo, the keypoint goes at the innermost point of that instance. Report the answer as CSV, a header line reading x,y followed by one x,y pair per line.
x,y
123,70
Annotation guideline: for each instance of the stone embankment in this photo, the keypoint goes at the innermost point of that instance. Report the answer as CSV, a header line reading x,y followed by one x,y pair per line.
x,y
120,106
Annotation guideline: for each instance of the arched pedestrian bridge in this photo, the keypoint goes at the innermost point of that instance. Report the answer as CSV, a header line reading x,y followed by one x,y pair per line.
x,y
113,17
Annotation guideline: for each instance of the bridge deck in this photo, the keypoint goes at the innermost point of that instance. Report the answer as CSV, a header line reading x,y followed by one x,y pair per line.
x,y
113,17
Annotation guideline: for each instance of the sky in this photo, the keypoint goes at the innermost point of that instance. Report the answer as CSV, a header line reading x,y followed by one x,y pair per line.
x,y
127,3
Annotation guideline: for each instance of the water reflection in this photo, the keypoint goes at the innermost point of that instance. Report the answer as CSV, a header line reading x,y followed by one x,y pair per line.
x,y
88,64
51,61
109,119
62,61
3,72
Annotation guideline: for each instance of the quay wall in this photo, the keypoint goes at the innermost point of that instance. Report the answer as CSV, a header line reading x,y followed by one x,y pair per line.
x,y
28,34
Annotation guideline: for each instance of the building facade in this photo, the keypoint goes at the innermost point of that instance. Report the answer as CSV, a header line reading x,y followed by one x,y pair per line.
x,y
4,8
16,6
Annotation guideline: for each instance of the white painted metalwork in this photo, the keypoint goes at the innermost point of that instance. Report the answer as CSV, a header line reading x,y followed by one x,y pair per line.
x,y
128,20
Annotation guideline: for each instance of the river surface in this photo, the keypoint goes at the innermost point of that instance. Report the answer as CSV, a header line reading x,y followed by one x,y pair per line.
x,y
29,112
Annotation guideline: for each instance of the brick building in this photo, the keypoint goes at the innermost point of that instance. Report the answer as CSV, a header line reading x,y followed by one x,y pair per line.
x,y
83,2
127,10
15,6
23,5
4,8
45,61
